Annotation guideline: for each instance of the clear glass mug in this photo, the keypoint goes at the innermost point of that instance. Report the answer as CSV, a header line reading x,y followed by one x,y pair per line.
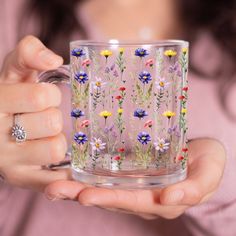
x,y
129,105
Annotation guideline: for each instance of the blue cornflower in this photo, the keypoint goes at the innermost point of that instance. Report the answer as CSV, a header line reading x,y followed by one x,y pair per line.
x,y
77,113
80,138
140,113
144,138
81,77
141,52
145,77
77,52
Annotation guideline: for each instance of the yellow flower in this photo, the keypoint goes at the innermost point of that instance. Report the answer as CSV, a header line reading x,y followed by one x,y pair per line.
x,y
120,111
168,114
184,110
105,114
106,53
121,50
184,50
170,53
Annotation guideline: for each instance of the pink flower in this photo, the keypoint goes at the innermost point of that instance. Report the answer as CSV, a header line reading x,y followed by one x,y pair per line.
x,y
85,124
117,158
148,124
149,62
86,62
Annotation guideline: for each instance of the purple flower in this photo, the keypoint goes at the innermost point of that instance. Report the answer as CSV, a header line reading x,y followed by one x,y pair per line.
x,y
81,77
77,113
144,138
145,77
108,129
80,138
174,130
77,52
141,52
140,113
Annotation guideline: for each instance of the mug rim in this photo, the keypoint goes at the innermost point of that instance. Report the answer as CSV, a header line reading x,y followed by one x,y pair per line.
x,y
123,43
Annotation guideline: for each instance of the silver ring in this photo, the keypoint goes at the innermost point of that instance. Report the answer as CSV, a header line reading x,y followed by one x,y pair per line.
x,y
18,131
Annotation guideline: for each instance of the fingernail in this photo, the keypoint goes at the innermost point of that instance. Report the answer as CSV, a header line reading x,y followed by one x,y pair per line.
x,y
50,58
53,197
175,197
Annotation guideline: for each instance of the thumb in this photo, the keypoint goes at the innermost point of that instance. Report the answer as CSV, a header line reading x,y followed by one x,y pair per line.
x,y
30,55
207,159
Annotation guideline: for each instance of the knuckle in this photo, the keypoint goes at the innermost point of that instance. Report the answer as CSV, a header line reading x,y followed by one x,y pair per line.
x,y
38,98
54,121
58,148
25,42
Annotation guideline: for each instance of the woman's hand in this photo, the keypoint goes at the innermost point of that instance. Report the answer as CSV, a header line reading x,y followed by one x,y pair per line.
x,y
20,163
206,165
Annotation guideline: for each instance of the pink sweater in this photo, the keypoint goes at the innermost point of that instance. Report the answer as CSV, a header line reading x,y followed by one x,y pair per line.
x,y
25,213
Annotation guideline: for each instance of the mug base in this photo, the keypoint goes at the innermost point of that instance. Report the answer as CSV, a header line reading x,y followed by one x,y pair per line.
x,y
130,181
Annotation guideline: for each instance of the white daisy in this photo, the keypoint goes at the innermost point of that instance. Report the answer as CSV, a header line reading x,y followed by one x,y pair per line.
x,y
162,145
97,145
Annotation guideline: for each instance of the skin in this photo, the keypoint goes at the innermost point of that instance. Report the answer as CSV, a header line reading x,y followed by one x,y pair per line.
x,y
21,164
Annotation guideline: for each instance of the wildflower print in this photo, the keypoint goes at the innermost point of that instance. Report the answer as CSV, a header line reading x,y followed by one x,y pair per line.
x,y
145,77
182,97
120,61
168,114
185,89
97,145
144,138
80,138
109,129
174,130
184,51
86,63
122,89
170,53
162,84
184,149
105,114
118,97
141,52
117,158
162,145
77,113
149,62
148,124
184,110
106,53
81,77
140,113
121,150
120,111
77,52
98,84
85,124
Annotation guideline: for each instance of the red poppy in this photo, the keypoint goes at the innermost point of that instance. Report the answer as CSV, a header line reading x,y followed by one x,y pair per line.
x,y
120,149
180,158
122,88
185,89
118,97
181,97
184,149
117,158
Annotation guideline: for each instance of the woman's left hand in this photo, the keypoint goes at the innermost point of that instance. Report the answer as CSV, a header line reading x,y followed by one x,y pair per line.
x,y
205,170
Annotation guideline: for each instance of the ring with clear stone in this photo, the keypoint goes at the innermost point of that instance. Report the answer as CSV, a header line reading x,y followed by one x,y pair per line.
x,y
18,131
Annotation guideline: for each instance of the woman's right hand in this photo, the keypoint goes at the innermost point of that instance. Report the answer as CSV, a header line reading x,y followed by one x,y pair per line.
x,y
21,163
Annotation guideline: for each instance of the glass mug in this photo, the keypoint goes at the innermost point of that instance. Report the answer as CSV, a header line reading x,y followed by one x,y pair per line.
x,y
129,105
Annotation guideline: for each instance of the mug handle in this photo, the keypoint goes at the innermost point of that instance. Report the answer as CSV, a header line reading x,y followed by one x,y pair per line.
x,y
57,76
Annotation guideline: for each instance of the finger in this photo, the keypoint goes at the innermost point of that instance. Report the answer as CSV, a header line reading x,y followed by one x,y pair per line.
x,y
68,190
26,97
205,172
38,125
29,55
34,177
136,201
36,152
